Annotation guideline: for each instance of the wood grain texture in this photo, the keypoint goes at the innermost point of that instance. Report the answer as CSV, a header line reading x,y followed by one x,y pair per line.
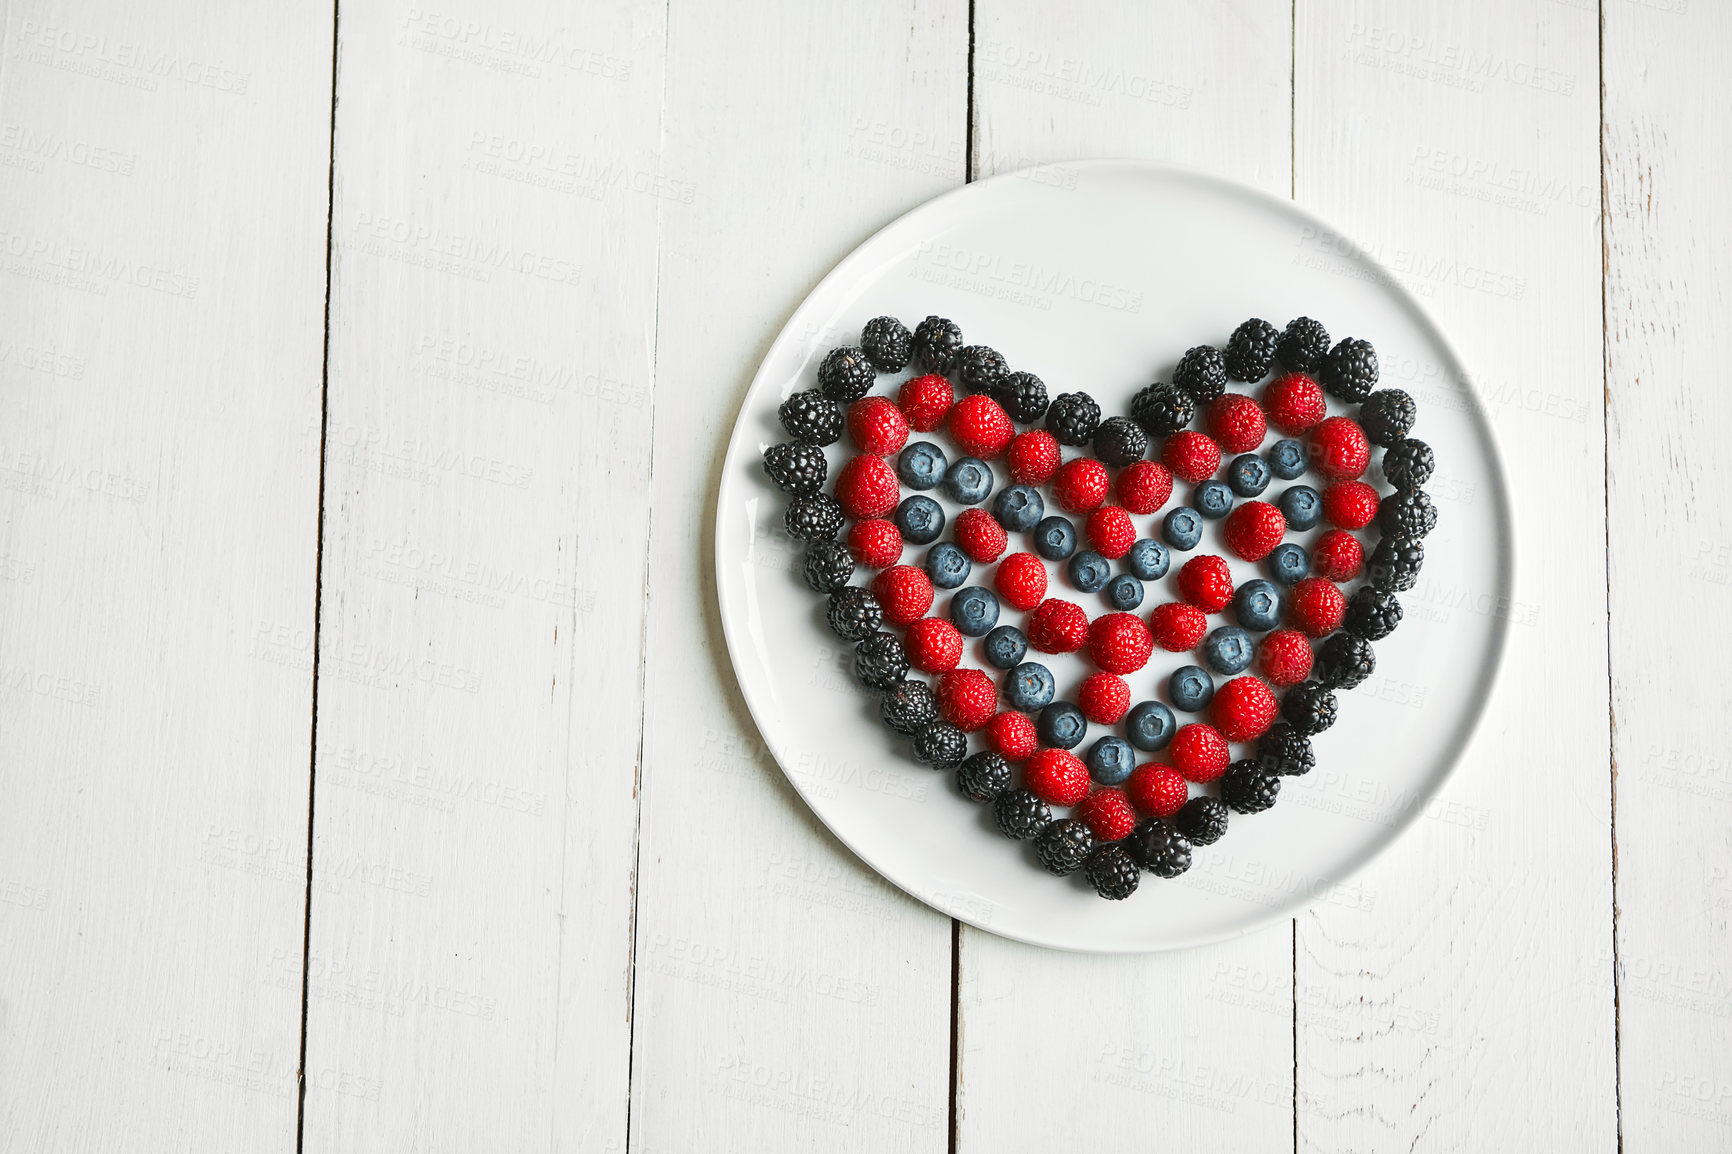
x,y
1470,1008
1668,255
162,267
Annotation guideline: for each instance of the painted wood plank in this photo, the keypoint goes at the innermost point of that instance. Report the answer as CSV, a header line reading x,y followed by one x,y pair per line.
x,y
486,526
1668,253
786,998
1196,1046
162,270
1459,144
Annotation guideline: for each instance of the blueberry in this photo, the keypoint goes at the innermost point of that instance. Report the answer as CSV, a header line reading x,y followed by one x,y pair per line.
x,y
1125,592
1055,538
1190,687
921,465
1248,475
974,611
1148,559
1228,650
968,481
1287,459
1257,605
1301,506
1150,725
1182,528
1018,508
1005,646
947,565
1089,571
1288,563
921,519
1029,687
1212,499
1111,760
1061,725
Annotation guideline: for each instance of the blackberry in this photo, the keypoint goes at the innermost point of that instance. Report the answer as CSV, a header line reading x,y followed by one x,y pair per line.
x,y
1162,409
880,662
984,776
887,344
1284,750
1064,846
1119,441
1202,821
908,707
854,613
1250,349
1345,660
1073,418
980,369
828,566
846,375
1202,373
814,517
1247,789
1309,707
1395,564
1409,464
1303,345
1387,416
1406,514
1372,613
1162,850
1023,396
1112,873
940,745
795,468
1019,814
936,343
811,417
1350,371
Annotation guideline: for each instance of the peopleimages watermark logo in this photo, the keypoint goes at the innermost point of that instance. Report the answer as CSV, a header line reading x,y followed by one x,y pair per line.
x,y
1015,281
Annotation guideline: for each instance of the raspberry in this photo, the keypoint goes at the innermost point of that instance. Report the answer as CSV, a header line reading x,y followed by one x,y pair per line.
x,y
1243,709
1145,486
904,592
1316,606
1236,423
866,487
1337,556
1108,814
1177,627
1081,484
877,426
1033,457
1339,449
1012,734
1284,657
1111,532
1294,403
1191,455
1199,752
1057,777
1254,529
1157,790
981,426
1058,626
925,401
1206,582
934,645
1103,698
967,698
1120,643
1350,504
875,543
1021,581
980,535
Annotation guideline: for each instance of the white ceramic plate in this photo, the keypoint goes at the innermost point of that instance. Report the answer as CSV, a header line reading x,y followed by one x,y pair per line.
x,y
1097,276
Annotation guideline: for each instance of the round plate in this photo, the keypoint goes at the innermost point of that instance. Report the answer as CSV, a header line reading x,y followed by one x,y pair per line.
x,y
1098,276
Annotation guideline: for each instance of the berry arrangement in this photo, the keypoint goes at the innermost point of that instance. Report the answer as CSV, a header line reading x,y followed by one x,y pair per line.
x,y
1264,657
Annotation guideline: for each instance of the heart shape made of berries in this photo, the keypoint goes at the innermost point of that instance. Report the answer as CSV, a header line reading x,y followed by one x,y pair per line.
x,y
1298,632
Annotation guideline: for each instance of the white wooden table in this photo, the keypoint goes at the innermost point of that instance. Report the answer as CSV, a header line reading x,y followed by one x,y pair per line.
x,y
364,379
